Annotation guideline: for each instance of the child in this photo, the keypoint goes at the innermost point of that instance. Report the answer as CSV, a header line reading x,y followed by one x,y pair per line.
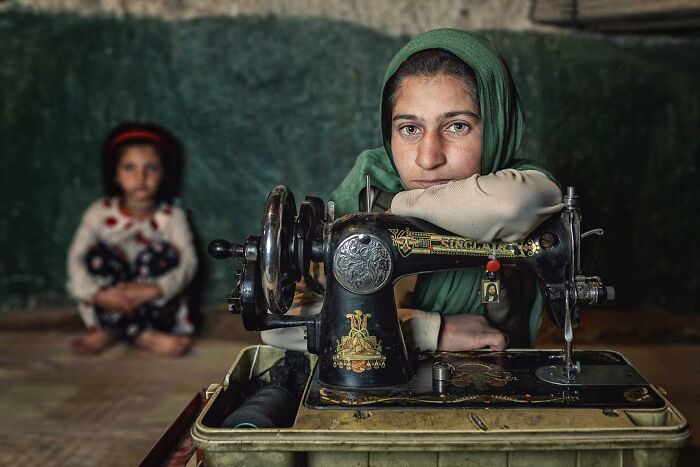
x,y
132,256
451,124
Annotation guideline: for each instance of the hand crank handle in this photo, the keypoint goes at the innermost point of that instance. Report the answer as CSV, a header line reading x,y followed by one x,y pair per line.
x,y
221,249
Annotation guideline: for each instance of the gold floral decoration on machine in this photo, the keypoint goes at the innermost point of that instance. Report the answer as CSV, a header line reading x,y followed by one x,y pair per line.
x,y
358,351
481,376
339,397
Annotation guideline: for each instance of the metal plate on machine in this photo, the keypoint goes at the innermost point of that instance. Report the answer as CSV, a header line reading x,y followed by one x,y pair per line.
x,y
500,379
592,375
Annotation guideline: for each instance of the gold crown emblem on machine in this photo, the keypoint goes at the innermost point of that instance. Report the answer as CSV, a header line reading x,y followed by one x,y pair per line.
x,y
358,351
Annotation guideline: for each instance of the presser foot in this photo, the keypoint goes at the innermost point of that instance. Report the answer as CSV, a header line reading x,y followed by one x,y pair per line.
x,y
568,370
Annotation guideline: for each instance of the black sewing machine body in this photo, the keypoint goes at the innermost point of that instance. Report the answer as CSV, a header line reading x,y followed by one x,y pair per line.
x,y
362,357
357,335
367,393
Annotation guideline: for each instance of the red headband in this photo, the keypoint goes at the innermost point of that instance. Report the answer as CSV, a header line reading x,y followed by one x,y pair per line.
x,y
135,134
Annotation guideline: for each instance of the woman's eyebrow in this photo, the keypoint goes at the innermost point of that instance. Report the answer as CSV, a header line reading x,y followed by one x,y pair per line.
x,y
457,113
404,117
454,113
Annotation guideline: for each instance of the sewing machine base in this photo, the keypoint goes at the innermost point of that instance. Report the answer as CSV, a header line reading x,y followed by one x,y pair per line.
x,y
516,378
478,432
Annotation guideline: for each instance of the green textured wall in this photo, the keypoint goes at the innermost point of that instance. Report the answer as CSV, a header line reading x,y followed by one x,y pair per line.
x,y
263,101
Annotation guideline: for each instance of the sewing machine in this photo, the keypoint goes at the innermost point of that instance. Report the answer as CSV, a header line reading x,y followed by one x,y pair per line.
x,y
362,358
364,399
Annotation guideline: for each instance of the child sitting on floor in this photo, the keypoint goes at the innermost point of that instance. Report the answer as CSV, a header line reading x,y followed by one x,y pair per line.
x,y
132,256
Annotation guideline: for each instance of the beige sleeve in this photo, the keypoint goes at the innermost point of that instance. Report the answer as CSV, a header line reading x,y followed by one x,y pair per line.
x,y
505,205
421,329
174,281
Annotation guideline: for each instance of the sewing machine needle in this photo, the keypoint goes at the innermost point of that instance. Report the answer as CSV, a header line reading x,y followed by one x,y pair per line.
x,y
368,193
569,340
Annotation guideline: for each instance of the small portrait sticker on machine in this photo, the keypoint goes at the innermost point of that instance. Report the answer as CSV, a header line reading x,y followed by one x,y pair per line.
x,y
490,291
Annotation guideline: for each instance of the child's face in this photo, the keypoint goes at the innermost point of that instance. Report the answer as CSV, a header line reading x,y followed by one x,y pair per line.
x,y
435,131
139,173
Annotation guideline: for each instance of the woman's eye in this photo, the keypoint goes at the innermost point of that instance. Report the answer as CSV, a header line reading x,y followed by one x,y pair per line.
x,y
409,130
152,168
458,127
127,167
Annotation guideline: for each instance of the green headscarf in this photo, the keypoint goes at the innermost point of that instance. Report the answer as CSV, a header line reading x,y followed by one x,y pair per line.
x,y
453,292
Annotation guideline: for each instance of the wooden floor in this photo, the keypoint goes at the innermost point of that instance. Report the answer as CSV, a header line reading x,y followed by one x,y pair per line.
x,y
58,409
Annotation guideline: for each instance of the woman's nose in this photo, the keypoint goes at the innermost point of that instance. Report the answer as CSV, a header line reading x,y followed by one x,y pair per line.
x,y
430,152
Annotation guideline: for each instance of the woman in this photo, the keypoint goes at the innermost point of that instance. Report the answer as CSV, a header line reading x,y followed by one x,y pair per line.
x,y
451,125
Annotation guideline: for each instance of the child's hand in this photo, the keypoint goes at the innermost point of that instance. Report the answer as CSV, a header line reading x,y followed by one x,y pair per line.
x,y
115,298
469,332
140,293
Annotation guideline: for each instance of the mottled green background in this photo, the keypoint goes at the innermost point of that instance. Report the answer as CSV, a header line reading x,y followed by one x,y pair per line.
x,y
263,101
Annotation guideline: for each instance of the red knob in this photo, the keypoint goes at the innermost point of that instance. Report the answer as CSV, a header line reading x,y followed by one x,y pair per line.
x,y
493,265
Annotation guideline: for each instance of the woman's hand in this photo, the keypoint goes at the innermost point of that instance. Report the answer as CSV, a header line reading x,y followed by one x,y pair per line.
x,y
116,299
469,332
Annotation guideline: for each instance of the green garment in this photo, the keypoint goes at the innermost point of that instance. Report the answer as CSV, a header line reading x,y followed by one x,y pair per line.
x,y
458,291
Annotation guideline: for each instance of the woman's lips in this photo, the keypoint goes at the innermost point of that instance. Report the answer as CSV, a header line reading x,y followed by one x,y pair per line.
x,y
429,183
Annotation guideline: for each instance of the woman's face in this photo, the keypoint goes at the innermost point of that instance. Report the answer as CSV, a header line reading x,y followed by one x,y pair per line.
x,y
435,131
